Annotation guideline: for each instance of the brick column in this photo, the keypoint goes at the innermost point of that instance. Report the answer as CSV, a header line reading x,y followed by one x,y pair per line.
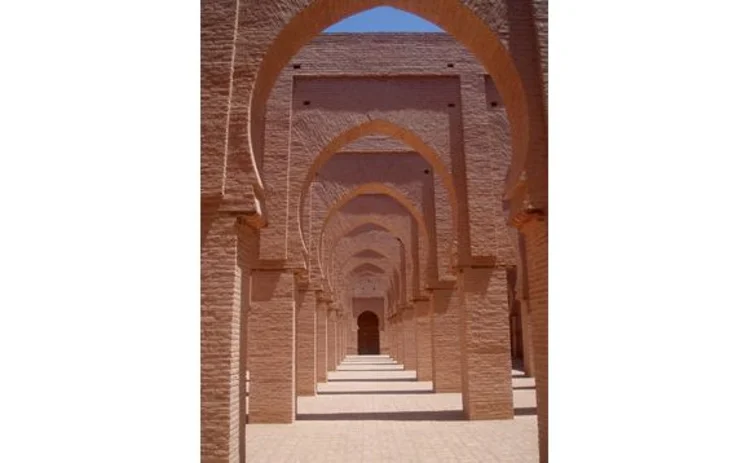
x,y
399,334
306,347
522,297
424,340
321,339
535,236
410,338
446,348
347,327
528,338
220,348
384,338
331,357
389,337
272,347
351,348
487,390
342,345
339,339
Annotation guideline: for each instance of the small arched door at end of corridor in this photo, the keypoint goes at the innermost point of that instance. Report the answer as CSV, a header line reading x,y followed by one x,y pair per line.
x,y
368,334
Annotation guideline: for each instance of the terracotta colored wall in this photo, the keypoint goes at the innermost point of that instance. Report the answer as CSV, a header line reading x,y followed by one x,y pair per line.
x,y
256,164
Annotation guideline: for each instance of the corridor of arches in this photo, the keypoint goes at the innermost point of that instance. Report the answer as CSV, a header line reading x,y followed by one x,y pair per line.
x,y
373,230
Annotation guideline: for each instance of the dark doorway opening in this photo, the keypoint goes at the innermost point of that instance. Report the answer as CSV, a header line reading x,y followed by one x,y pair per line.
x,y
368,334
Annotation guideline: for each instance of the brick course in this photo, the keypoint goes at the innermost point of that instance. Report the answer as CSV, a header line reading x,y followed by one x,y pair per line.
x,y
437,150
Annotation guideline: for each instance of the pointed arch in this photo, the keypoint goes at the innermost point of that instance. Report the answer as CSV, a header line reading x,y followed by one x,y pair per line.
x,y
372,188
395,131
479,26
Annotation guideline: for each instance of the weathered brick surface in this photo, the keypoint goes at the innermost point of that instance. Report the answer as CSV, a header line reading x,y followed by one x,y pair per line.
x,y
306,346
413,119
410,338
321,340
485,344
398,332
272,347
536,238
220,348
446,348
331,349
424,339
528,339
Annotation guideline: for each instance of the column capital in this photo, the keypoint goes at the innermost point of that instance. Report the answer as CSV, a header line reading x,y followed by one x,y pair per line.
x,y
247,208
521,211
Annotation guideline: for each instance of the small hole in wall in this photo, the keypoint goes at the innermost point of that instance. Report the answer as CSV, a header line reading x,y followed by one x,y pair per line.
x,y
427,171
494,104
297,66
306,103
451,105
450,65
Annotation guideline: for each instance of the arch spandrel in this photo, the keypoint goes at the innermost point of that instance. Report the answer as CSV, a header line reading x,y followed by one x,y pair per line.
x,y
271,36
408,173
299,188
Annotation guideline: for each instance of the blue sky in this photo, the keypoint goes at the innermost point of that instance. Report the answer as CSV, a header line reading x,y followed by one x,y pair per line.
x,y
384,19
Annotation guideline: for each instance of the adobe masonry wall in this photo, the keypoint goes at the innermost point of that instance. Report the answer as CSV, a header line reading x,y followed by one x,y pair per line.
x,y
534,162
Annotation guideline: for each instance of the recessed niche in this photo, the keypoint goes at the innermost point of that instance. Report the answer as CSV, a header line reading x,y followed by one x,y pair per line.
x,y
450,65
297,66
451,105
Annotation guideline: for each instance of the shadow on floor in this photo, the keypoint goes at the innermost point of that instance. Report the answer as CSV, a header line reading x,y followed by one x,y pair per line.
x,y
372,392
373,369
524,411
433,415
368,380
440,415
524,388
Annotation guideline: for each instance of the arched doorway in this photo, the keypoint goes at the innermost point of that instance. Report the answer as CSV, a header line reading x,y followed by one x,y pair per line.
x,y
368,334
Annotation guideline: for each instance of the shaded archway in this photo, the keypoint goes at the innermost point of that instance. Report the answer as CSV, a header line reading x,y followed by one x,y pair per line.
x,y
370,189
479,26
392,130
368,334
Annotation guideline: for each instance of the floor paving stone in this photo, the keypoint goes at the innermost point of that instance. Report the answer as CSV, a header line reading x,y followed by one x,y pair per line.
x,y
395,421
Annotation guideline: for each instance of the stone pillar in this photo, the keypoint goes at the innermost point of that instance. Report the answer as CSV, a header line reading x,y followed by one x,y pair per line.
x,y
339,338
344,338
306,347
384,337
321,339
331,358
399,333
271,350
351,345
424,339
410,338
446,348
535,237
487,389
528,339
220,348
389,337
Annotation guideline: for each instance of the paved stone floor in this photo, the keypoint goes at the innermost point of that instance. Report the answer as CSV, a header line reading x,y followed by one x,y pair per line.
x,y
372,410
